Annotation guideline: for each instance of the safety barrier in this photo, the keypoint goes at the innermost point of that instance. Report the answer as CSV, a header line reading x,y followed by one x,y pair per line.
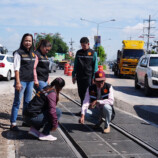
x,y
66,66
70,69
100,67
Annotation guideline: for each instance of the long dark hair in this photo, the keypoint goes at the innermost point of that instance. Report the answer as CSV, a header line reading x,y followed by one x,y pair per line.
x,y
58,82
22,40
43,43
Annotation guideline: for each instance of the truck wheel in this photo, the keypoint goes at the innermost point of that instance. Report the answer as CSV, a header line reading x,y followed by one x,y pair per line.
x,y
115,73
136,82
147,89
118,73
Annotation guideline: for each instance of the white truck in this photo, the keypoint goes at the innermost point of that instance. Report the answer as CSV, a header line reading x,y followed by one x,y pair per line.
x,y
146,75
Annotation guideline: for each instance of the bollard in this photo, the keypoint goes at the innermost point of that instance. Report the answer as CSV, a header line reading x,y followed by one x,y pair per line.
x,y
70,69
66,68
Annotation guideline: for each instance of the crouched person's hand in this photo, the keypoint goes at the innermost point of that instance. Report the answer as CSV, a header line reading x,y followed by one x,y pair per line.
x,y
93,104
81,120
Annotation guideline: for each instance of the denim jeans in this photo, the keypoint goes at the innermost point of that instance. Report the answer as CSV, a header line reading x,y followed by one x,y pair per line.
x,y
42,84
42,120
94,115
27,89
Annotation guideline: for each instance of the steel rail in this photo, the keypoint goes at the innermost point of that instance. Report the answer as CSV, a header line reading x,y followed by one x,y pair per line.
x,y
123,131
75,148
76,145
136,139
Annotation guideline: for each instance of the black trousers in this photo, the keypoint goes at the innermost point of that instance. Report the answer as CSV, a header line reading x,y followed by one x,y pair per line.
x,y
83,84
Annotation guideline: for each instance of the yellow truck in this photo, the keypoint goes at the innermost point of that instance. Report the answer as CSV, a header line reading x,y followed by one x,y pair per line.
x,y
128,57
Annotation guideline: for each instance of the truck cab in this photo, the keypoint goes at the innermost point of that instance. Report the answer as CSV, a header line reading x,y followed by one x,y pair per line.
x,y
128,57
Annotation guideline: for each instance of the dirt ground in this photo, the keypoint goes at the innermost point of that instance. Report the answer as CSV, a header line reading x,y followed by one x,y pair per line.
x,y
5,109
6,102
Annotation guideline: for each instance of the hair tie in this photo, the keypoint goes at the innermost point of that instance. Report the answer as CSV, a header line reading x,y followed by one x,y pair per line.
x,y
59,78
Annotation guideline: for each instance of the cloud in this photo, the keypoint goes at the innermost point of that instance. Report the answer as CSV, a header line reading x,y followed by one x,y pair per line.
x,y
137,30
134,29
60,12
12,42
8,29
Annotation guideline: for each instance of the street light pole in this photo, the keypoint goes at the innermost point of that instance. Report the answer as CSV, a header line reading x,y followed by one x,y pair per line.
x,y
97,23
97,27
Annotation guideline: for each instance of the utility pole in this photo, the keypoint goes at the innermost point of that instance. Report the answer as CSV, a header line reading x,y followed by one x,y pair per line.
x,y
148,35
130,38
71,44
149,28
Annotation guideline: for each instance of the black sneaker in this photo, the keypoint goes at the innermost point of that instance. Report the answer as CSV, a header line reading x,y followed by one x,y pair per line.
x,y
14,128
24,124
98,124
78,114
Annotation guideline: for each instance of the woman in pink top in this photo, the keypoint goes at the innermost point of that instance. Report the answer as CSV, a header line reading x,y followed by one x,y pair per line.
x,y
42,112
41,67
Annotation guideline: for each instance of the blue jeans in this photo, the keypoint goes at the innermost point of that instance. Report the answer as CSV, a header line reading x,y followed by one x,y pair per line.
x,y
27,89
94,115
42,84
42,120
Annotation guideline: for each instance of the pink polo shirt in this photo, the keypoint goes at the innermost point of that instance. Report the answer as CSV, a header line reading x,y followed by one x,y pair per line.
x,y
86,100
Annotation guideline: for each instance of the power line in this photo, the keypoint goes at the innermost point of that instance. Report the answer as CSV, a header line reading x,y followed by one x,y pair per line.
x,y
155,13
121,28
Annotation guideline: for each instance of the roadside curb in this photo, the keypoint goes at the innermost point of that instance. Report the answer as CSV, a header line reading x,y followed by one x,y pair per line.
x,y
138,111
124,106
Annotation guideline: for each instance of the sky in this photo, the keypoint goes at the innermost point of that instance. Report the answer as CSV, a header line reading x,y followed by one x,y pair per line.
x,y
64,17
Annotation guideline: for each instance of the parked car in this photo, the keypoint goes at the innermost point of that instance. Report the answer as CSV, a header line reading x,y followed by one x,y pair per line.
x,y
61,64
111,64
52,65
6,66
147,73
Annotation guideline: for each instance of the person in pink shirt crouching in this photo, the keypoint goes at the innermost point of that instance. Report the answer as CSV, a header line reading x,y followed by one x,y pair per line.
x,y
98,103
42,111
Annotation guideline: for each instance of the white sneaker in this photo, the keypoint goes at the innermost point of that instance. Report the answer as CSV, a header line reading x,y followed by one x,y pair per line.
x,y
47,137
34,132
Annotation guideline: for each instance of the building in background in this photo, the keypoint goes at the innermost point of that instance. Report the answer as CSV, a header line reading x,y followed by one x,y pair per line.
x,y
59,56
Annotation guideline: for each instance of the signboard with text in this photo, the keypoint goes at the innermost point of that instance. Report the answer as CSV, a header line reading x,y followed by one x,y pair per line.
x,y
97,41
59,56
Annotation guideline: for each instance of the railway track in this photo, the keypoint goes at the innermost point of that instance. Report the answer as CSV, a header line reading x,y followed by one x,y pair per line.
x,y
132,137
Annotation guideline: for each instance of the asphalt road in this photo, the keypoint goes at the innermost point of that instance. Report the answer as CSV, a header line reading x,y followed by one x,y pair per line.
x,y
133,101
124,88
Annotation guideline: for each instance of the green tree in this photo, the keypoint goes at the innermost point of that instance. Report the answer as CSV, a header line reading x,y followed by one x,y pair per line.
x,y
101,54
153,52
58,45
70,58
